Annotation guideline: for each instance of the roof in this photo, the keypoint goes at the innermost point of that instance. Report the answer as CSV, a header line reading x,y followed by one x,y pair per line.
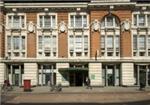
x,y
140,1
27,1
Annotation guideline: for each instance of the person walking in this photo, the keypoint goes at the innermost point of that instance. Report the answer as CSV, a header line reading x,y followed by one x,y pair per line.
x,y
88,83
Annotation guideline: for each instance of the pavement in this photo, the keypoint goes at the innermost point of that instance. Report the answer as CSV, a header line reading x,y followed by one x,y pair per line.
x,y
78,95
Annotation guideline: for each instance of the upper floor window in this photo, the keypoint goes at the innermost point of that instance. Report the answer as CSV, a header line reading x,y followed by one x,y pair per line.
x,y
16,45
141,20
78,21
110,40
78,45
110,21
47,45
16,21
47,21
141,45
110,45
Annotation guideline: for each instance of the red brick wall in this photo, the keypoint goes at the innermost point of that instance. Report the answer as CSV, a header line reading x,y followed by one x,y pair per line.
x,y
62,37
2,36
31,37
125,38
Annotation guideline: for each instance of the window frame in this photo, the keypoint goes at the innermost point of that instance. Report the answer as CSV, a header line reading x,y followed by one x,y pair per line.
x,y
82,14
8,26
46,14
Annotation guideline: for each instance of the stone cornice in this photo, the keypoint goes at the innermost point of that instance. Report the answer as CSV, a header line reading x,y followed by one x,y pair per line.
x,y
45,5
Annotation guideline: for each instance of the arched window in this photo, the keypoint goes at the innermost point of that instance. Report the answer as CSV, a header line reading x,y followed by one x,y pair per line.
x,y
110,36
110,21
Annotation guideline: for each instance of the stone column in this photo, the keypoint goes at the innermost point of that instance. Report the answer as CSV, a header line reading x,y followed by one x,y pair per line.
x,y
2,70
59,77
127,74
30,72
95,74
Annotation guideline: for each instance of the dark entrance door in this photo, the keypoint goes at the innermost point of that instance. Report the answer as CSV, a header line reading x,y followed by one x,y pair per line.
x,y
143,77
77,78
16,79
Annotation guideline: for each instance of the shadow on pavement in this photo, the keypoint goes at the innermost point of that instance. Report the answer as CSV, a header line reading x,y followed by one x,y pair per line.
x,y
146,102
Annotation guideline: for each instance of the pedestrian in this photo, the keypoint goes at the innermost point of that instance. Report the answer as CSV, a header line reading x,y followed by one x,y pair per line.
x,y
88,83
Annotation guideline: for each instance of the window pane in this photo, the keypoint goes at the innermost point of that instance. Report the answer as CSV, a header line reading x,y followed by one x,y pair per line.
x,y
9,21
116,22
41,21
53,21
135,20
71,41
23,21
47,21
148,42
23,42
141,20
85,43
102,42
9,42
84,21
78,43
142,42
135,42
72,21
16,42
16,22
117,42
40,42
54,41
78,21
47,42
109,21
109,42
148,17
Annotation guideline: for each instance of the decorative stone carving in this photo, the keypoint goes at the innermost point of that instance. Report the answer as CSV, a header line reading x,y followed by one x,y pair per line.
x,y
125,25
30,27
95,25
62,27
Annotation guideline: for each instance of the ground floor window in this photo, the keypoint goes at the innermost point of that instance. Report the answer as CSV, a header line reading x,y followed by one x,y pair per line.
x,y
142,74
111,74
14,74
46,74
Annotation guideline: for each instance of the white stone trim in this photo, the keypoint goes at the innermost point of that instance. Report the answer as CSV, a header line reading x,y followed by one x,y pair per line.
x,y
2,73
95,69
30,72
58,74
127,74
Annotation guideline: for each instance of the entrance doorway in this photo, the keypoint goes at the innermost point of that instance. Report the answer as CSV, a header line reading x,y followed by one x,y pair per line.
x,y
46,74
111,75
142,74
77,78
15,74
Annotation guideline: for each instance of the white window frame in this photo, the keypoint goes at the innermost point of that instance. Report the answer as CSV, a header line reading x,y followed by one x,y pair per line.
x,y
51,48
113,24
50,14
20,51
81,13
74,47
146,51
13,14
137,24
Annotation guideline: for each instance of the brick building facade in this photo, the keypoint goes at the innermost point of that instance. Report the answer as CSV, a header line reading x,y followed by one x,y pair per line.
x,y
67,41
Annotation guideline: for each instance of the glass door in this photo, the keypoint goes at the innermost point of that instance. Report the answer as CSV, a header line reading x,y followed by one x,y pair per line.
x,y
111,75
